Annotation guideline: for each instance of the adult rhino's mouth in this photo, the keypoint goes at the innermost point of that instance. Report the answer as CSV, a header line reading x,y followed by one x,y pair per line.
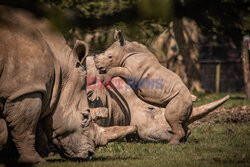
x,y
68,153
80,156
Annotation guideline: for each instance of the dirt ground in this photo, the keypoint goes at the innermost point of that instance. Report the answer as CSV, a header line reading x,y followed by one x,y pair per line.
x,y
237,115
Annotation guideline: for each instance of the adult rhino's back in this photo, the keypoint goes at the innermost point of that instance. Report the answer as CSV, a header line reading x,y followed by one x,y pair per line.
x,y
26,62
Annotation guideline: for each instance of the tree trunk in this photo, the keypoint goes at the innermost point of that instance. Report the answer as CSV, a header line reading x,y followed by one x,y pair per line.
x,y
245,64
179,44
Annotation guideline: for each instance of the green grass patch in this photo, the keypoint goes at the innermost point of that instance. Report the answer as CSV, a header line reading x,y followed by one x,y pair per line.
x,y
209,145
217,144
236,99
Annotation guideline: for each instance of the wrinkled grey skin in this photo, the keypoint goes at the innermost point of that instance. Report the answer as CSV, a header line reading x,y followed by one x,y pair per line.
x,y
125,108
133,60
42,80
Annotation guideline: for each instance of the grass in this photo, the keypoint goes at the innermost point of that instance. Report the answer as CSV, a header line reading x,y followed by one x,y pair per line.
x,y
216,144
213,145
236,99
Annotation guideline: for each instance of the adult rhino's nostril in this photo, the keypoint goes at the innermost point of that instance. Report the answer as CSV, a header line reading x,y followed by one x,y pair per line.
x,y
151,108
90,155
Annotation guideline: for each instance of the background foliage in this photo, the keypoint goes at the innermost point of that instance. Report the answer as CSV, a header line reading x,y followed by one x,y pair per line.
x,y
173,29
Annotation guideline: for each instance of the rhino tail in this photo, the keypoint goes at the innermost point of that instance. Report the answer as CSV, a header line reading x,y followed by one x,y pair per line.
x,y
201,111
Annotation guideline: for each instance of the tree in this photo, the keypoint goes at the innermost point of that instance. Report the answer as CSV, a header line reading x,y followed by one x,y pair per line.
x,y
245,64
94,20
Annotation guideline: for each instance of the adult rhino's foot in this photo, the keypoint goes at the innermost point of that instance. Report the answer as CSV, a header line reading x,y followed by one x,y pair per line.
x,y
32,158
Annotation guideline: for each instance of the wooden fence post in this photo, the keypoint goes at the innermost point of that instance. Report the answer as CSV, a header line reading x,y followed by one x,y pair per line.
x,y
217,80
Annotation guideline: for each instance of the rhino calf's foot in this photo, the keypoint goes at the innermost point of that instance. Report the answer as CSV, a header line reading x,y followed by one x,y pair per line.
x,y
177,136
187,134
180,135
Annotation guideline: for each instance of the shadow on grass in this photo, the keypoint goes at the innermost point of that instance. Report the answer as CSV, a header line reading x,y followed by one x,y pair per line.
x,y
9,158
230,161
149,142
95,159
56,160
11,161
237,97
14,163
113,158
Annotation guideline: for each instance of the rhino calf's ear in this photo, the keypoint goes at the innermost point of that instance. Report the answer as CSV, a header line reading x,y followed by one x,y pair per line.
x,y
80,50
119,37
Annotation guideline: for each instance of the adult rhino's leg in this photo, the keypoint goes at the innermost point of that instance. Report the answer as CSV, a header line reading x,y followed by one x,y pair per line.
x,y
3,128
3,133
41,142
177,112
21,115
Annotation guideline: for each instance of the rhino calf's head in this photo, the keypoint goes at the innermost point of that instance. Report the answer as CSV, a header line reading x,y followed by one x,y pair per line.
x,y
113,55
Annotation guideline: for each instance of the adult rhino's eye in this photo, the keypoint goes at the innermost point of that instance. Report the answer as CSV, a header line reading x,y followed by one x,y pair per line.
x,y
110,57
86,118
85,115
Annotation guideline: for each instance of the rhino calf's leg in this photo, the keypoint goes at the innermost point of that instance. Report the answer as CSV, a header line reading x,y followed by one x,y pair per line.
x,y
187,132
177,113
22,115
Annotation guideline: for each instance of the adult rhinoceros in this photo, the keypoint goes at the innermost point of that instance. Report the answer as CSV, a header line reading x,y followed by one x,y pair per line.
x,y
42,80
125,108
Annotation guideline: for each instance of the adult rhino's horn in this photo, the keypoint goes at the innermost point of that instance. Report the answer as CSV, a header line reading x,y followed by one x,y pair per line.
x,y
109,134
200,112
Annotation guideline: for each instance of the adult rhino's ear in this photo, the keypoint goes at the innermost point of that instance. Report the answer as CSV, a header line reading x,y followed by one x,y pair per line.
x,y
80,50
119,37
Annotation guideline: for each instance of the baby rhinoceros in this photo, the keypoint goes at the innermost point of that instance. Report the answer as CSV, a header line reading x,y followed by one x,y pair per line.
x,y
151,82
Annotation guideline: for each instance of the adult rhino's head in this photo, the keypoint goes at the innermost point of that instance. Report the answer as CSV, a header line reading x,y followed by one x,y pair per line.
x,y
81,144
75,133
